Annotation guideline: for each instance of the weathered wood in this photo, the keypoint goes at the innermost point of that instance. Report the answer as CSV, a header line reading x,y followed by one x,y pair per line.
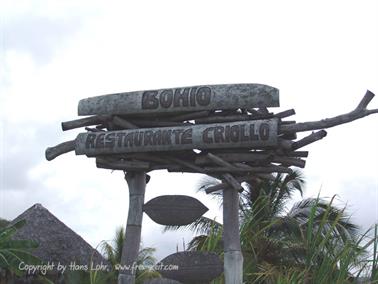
x,y
137,187
187,99
256,134
123,123
219,161
233,258
157,123
187,164
190,116
232,182
309,139
223,185
93,129
122,165
65,147
289,161
174,209
193,266
267,169
303,154
86,121
359,112
234,157
224,118
285,113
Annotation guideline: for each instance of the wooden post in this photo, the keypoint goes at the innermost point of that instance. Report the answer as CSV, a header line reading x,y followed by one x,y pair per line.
x,y
137,187
233,258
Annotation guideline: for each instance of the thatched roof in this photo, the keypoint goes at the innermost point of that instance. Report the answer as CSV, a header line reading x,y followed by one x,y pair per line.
x,y
57,242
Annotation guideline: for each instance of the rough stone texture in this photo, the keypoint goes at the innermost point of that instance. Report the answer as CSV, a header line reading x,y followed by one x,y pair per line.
x,y
174,209
57,242
193,266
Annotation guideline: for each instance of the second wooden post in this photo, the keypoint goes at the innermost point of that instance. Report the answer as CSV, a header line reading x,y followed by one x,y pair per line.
x,y
137,187
233,257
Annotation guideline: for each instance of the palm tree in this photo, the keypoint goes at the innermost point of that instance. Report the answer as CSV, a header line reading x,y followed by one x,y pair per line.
x,y
277,242
14,252
145,259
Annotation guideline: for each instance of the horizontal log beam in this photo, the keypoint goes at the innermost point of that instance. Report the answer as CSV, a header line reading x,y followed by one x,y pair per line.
x,y
86,121
188,99
122,165
251,134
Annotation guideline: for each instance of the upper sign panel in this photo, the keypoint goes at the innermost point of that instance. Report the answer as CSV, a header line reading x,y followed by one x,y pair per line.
x,y
186,99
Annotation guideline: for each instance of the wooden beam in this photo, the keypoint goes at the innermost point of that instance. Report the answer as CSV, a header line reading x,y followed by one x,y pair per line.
x,y
187,99
86,121
62,148
359,112
248,134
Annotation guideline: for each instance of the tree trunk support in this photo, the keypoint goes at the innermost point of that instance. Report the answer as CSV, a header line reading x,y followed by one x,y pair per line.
x,y
137,187
233,258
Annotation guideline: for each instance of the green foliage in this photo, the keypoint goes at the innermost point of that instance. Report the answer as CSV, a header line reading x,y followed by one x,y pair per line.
x,y
145,258
313,242
14,252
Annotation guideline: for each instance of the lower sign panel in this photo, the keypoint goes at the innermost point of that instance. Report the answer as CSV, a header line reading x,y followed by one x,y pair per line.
x,y
174,209
247,134
192,266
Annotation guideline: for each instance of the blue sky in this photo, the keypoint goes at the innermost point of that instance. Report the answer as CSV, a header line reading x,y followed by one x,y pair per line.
x,y
321,55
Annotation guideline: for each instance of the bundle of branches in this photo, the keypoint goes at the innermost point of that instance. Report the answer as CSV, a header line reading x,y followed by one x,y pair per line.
x,y
227,156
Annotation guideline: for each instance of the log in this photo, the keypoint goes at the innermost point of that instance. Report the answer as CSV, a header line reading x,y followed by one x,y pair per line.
x,y
65,147
187,99
122,165
224,185
285,113
359,112
267,169
251,134
137,187
223,118
190,116
233,258
232,182
309,139
156,123
187,164
234,157
86,121
123,123
289,161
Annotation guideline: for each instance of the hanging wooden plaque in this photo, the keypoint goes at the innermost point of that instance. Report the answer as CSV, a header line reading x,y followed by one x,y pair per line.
x,y
174,209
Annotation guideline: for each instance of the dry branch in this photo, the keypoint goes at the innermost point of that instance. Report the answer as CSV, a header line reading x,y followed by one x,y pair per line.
x,y
309,139
87,121
359,112
285,113
65,147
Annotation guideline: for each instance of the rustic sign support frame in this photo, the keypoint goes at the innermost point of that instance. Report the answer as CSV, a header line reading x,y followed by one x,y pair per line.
x,y
239,141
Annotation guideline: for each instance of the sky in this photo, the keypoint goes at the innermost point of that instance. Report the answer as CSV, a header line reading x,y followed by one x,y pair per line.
x,y
321,55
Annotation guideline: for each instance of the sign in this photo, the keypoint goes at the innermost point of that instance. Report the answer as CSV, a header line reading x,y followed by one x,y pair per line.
x,y
174,209
193,266
241,134
187,99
